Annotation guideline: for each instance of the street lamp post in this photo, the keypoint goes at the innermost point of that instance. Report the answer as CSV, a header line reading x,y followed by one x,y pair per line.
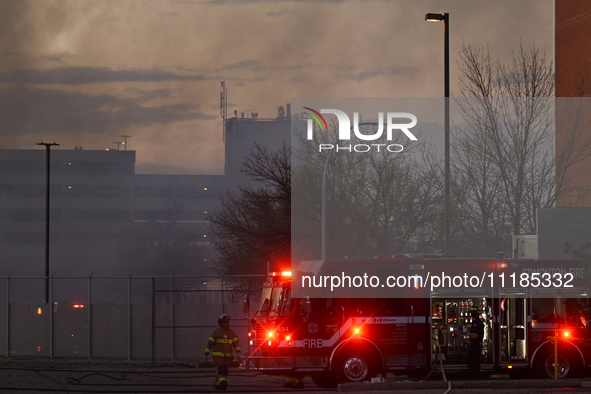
x,y
48,146
445,19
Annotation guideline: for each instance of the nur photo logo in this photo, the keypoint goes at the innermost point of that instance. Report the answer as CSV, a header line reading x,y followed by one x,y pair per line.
x,y
392,124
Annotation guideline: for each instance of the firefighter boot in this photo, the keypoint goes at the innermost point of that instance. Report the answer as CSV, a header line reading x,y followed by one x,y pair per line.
x,y
221,384
299,384
290,382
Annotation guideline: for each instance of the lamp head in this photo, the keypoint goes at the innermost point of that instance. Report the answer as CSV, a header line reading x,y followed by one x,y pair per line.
x,y
434,17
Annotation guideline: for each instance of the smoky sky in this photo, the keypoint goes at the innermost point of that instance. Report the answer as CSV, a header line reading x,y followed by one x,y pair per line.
x,y
84,75
84,72
58,111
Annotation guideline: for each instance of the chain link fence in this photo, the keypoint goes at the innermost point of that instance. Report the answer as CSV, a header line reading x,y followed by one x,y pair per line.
x,y
129,317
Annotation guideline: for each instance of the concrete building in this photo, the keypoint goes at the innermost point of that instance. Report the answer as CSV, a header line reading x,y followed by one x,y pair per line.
x,y
103,215
242,133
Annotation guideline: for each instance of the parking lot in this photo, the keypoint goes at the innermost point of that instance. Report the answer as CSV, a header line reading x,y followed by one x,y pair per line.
x,y
33,376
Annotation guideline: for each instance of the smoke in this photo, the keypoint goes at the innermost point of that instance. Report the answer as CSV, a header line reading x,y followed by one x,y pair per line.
x,y
70,67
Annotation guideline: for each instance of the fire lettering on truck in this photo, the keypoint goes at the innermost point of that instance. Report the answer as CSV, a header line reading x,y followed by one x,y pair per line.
x,y
312,343
576,272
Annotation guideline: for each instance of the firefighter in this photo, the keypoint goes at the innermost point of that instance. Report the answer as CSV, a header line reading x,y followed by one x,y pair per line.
x,y
476,333
220,346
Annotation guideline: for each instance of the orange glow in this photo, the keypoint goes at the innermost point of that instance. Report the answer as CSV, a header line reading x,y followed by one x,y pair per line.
x,y
270,334
566,334
287,337
78,306
510,367
357,331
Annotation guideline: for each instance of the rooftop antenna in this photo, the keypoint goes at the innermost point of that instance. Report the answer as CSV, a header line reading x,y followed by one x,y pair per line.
x,y
125,137
118,143
224,108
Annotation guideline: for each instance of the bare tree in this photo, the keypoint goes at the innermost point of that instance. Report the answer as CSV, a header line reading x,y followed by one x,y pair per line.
x,y
253,226
378,202
506,163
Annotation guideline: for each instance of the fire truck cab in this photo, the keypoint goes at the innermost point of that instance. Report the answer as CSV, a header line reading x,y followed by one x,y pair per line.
x,y
337,340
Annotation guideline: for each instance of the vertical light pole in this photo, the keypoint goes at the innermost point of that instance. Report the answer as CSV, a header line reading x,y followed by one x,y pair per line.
x,y
48,146
445,19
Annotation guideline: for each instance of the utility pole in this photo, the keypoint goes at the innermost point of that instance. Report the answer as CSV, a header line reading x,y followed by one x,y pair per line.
x,y
48,146
125,137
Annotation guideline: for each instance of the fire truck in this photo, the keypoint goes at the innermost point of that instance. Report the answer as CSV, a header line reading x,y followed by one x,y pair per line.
x,y
352,339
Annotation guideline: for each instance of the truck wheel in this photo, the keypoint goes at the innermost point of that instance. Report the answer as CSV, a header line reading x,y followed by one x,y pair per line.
x,y
354,366
569,365
324,380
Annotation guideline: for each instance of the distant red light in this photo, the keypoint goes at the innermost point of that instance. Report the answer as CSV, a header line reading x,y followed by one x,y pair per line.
x,y
78,306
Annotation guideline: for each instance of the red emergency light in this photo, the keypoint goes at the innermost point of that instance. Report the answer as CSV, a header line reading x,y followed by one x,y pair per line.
x,y
77,306
282,273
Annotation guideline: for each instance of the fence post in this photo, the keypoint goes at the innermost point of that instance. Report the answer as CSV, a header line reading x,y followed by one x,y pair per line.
x,y
90,315
8,315
172,316
51,306
129,316
153,317
223,309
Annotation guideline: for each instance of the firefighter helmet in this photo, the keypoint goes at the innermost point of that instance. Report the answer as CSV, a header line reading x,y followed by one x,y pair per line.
x,y
224,318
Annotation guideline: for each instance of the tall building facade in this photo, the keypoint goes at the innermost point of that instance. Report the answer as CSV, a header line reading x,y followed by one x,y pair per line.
x,y
241,136
103,215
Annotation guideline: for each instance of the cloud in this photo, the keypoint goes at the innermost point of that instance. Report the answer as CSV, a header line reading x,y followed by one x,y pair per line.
x,y
365,75
242,80
29,111
230,2
143,96
278,13
85,75
251,65
57,57
298,80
